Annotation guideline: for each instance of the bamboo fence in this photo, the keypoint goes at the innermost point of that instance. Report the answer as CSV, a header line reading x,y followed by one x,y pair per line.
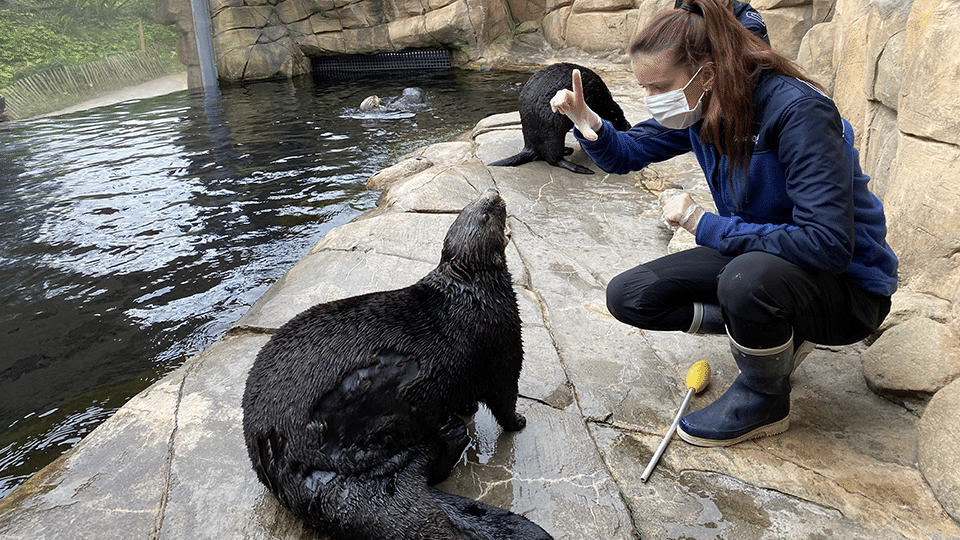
x,y
68,85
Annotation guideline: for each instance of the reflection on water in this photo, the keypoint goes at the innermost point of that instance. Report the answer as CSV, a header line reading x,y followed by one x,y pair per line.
x,y
134,235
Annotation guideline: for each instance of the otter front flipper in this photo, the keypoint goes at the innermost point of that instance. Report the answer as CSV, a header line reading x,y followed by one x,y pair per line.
x,y
453,441
524,156
571,166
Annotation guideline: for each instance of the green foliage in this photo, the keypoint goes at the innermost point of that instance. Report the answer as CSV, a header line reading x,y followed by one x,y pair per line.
x,y
45,34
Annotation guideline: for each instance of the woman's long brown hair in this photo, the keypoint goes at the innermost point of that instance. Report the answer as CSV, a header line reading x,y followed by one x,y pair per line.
x,y
707,31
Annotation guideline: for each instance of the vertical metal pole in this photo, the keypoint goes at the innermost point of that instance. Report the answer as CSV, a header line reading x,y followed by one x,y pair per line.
x,y
201,28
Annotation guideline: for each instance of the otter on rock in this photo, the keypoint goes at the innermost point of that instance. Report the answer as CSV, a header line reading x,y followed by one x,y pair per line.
x,y
351,410
544,131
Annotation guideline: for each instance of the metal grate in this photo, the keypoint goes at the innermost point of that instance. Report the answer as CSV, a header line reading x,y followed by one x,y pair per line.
x,y
392,61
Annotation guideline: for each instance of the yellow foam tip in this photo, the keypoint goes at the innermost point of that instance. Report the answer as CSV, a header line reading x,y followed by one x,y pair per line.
x,y
698,376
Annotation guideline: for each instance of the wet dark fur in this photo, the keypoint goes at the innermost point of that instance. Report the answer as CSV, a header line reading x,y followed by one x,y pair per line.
x,y
544,131
351,409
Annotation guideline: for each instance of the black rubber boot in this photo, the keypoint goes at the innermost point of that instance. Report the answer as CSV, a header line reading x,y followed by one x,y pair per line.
x,y
756,404
707,319
801,351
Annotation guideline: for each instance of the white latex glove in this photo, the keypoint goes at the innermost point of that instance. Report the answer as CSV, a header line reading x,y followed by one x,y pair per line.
x,y
573,105
682,211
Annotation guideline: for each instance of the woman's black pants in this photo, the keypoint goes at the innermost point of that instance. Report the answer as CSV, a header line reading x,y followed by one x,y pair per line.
x,y
764,299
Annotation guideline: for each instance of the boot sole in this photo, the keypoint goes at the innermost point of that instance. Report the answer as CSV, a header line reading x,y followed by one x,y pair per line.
x,y
775,428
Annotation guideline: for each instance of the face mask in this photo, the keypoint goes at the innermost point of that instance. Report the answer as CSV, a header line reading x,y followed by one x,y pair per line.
x,y
671,109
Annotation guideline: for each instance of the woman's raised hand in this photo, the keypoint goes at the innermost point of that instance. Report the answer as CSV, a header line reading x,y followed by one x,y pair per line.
x,y
573,105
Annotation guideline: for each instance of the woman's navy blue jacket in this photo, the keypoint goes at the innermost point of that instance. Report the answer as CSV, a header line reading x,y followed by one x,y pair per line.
x,y
807,199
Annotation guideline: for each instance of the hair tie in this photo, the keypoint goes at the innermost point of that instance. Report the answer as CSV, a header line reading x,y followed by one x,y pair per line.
x,y
692,8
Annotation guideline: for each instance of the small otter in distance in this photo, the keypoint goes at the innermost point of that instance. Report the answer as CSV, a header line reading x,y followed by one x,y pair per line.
x,y
410,98
544,131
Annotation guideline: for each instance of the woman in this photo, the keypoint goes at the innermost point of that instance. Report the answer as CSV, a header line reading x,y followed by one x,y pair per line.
x,y
796,254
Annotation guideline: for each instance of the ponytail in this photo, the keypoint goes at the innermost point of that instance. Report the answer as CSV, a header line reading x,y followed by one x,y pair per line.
x,y
706,31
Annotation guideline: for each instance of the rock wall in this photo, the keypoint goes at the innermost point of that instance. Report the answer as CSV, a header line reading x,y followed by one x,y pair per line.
x,y
887,65
891,66
258,39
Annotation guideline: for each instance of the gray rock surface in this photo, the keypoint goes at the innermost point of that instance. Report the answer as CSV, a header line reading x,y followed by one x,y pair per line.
x,y
939,452
914,359
598,395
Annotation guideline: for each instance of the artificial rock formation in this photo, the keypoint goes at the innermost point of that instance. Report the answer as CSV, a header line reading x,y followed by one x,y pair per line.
x,y
883,62
258,39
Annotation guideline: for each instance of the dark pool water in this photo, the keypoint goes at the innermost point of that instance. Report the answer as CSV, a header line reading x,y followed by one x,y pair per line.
x,y
132,236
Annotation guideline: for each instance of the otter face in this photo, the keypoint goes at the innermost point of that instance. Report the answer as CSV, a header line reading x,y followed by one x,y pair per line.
x,y
370,103
477,239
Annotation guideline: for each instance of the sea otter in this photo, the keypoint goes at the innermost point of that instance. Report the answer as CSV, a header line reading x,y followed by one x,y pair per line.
x,y
351,410
411,98
544,131
370,103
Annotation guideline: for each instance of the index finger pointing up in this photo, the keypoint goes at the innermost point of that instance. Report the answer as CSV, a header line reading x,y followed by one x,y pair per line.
x,y
577,86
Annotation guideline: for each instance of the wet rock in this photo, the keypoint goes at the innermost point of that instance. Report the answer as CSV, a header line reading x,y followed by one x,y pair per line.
x,y
447,152
391,174
543,378
419,161
347,273
549,472
444,189
697,501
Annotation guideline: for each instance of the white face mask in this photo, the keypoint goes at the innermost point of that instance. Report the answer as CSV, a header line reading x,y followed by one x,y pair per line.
x,y
671,109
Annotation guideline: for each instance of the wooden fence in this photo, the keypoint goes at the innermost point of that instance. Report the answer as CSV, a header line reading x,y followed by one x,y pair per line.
x,y
68,85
